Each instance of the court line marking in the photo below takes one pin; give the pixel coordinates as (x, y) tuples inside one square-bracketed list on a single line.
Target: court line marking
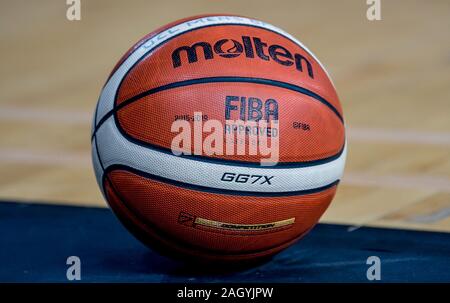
[(360, 134), (360, 262), (355, 134), (432, 217), (44, 115), (432, 183), (354, 227), (422, 182), (49, 158)]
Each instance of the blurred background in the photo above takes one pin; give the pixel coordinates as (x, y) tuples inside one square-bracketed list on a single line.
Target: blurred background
[(392, 76)]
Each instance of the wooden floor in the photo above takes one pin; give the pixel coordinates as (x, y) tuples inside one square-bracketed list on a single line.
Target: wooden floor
[(393, 77)]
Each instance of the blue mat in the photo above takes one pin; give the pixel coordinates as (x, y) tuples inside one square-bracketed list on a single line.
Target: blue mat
[(35, 241)]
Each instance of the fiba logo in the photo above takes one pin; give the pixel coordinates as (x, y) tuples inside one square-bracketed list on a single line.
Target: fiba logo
[(251, 47)]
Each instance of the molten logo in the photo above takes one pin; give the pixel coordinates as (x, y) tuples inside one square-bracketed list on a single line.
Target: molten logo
[(231, 52), (249, 46)]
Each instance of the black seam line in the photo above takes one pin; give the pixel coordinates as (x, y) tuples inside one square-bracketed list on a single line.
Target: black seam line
[(201, 158), (194, 29), (239, 163), (176, 242), (207, 26), (98, 154), (217, 190), (205, 158), (149, 51), (226, 79)]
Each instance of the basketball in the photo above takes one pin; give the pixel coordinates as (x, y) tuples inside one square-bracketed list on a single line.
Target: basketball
[(202, 144), (218, 138)]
